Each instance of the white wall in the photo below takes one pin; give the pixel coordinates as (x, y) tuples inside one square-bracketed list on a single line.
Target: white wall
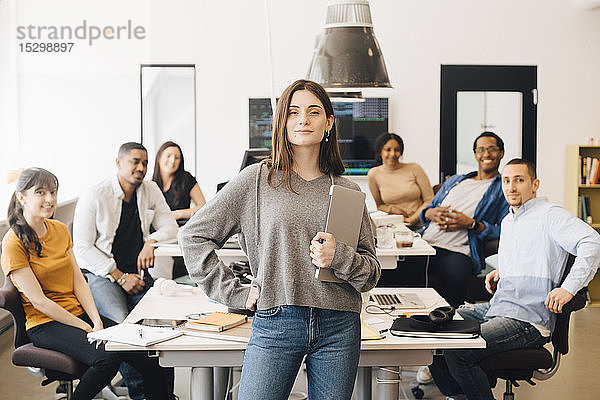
[(75, 109)]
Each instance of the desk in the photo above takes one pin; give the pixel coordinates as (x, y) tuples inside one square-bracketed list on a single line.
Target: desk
[(203, 353), (387, 257)]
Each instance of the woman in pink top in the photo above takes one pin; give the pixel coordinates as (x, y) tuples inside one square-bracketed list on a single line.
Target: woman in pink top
[(397, 187)]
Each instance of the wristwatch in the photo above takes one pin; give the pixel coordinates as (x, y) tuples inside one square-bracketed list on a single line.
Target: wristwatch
[(121, 280), (474, 224)]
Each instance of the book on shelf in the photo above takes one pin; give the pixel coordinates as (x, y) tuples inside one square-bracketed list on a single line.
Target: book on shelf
[(589, 171), (588, 211), (217, 321), (580, 171), (584, 210)]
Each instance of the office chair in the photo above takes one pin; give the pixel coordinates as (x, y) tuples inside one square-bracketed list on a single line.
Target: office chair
[(476, 283), (540, 364), (52, 365)]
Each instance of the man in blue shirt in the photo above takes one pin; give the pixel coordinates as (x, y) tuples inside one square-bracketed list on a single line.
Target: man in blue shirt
[(464, 213), (535, 240)]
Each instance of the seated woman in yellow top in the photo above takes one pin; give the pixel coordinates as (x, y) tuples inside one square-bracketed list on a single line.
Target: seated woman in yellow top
[(397, 187), (37, 255)]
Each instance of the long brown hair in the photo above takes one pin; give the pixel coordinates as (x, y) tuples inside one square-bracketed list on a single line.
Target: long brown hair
[(282, 157), (36, 178), (177, 185)]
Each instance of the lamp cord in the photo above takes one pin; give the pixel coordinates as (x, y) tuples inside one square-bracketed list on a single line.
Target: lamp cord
[(270, 53)]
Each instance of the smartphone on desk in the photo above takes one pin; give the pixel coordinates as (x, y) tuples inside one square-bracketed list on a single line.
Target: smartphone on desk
[(162, 322)]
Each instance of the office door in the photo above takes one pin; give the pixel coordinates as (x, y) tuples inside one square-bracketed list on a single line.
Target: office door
[(478, 98), (168, 109)]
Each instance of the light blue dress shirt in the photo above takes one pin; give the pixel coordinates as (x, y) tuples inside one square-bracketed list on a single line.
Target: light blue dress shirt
[(532, 256)]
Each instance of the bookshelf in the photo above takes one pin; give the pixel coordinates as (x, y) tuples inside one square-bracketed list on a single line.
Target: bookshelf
[(574, 189)]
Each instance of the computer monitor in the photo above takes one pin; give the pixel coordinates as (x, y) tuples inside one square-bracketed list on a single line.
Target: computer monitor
[(252, 156), (358, 125)]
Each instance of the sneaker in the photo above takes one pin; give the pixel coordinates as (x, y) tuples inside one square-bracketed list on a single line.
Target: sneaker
[(424, 376)]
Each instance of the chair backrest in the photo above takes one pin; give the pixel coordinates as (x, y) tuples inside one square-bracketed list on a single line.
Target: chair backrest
[(65, 210), (560, 335), (10, 300), (490, 247)]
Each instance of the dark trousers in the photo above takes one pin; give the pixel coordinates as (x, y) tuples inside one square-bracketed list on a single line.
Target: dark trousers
[(103, 365), (113, 302), (447, 273)]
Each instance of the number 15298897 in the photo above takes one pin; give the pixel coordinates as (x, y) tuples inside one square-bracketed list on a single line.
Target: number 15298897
[(42, 47)]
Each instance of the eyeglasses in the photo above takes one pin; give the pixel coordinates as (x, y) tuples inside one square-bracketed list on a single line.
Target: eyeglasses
[(491, 150)]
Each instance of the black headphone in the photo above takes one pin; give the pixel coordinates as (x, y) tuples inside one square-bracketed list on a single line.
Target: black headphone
[(434, 320)]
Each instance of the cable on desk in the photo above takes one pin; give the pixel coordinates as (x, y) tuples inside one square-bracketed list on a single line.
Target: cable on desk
[(379, 310)]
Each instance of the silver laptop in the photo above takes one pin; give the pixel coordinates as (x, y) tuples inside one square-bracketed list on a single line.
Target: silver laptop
[(344, 220), (396, 300)]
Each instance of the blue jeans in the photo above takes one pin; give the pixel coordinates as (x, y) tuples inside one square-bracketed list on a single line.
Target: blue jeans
[(115, 303), (111, 300), (501, 334), (284, 335)]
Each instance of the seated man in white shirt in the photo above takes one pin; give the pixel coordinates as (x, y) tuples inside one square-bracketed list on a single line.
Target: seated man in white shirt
[(535, 240), (111, 235)]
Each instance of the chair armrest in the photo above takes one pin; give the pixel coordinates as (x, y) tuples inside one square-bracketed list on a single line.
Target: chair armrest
[(577, 302)]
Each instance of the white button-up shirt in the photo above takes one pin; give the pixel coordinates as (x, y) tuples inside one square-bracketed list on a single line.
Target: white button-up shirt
[(532, 255), (97, 217)]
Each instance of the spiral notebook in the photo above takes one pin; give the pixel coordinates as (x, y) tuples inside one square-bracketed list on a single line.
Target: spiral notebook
[(134, 334)]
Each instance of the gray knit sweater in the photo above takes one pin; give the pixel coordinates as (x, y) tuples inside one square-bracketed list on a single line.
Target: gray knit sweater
[(275, 228)]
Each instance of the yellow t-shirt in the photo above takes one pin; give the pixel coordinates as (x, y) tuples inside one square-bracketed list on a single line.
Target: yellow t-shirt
[(54, 270)]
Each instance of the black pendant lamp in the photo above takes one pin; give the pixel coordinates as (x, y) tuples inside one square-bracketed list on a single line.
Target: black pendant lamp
[(347, 54)]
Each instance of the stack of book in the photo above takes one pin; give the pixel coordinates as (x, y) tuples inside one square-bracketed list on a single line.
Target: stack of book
[(222, 326), (217, 321), (589, 170), (583, 210)]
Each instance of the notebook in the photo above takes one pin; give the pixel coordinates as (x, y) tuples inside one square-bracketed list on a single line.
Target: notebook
[(240, 333), (344, 219), (135, 334), (217, 321), (397, 300)]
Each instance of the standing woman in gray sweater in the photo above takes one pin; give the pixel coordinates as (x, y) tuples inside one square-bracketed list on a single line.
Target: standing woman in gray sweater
[(278, 208)]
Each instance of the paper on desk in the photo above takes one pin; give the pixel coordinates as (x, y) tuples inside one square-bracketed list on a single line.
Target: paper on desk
[(381, 218), (169, 243), (374, 320), (137, 335), (368, 333)]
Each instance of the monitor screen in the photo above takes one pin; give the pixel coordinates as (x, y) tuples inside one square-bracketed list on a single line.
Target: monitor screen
[(358, 125), (252, 156)]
